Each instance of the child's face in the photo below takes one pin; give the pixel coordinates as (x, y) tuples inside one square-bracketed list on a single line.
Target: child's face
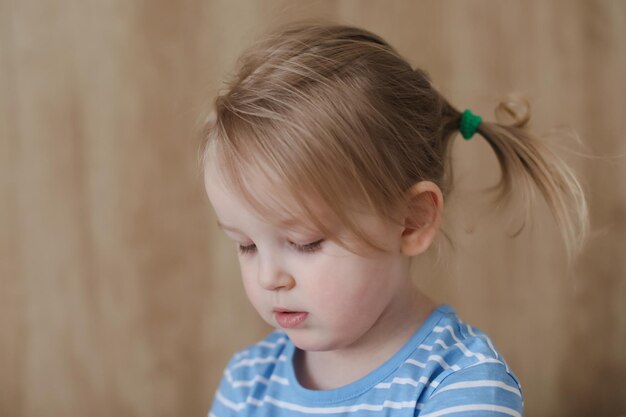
[(345, 295)]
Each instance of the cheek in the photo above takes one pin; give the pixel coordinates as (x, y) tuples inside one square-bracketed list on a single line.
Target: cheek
[(247, 286), (250, 287), (352, 288)]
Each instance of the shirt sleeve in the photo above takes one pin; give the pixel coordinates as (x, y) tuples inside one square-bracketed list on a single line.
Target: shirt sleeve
[(483, 390), (229, 399)]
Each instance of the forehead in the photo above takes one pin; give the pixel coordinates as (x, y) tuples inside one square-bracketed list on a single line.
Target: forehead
[(270, 203)]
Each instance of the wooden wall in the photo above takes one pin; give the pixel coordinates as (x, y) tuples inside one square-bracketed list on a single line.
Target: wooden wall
[(118, 296)]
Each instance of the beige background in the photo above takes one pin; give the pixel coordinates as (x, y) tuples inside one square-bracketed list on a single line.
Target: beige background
[(118, 296)]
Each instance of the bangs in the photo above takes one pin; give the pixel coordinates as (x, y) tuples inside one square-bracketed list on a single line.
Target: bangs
[(270, 195), (287, 202)]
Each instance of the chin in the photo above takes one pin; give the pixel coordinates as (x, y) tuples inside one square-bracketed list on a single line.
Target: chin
[(311, 342)]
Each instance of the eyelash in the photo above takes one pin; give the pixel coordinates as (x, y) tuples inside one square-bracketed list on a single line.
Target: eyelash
[(308, 248)]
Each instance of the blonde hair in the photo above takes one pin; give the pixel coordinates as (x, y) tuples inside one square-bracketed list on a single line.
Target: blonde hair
[(332, 116)]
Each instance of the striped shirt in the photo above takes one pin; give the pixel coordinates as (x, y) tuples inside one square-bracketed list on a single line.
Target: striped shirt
[(447, 368)]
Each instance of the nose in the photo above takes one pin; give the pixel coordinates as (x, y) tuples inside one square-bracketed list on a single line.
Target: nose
[(272, 276)]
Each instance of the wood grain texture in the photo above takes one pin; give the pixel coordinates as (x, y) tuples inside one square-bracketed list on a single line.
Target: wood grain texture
[(118, 296)]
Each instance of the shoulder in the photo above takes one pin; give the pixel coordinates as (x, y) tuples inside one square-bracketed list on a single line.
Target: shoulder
[(467, 373), (483, 387), (462, 346), (257, 361), (255, 365)]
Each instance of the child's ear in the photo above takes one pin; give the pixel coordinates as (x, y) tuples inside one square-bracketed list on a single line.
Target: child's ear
[(423, 216)]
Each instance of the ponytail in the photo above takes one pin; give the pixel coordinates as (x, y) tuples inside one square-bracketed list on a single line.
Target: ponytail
[(525, 159), (352, 123)]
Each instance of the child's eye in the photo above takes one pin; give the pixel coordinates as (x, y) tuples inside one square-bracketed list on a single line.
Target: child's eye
[(245, 249), (309, 247)]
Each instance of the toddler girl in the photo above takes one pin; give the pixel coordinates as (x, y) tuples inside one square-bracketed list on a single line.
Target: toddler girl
[(326, 162)]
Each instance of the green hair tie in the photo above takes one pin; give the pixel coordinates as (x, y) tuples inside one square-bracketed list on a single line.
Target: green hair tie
[(469, 124)]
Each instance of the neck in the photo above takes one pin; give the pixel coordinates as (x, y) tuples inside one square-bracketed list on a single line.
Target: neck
[(332, 369)]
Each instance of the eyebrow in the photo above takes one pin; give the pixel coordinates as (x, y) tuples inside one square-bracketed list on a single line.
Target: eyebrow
[(223, 226)]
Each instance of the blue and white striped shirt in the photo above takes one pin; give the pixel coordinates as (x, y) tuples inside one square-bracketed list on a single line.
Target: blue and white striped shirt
[(447, 368)]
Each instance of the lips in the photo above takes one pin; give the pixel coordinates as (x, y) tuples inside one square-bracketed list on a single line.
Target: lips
[(288, 318)]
